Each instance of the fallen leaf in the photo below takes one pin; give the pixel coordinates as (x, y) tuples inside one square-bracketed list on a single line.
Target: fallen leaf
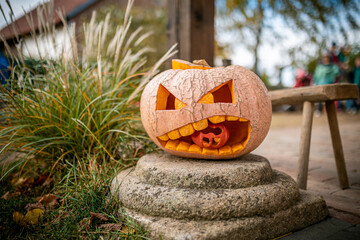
[(43, 180), (15, 180), (6, 196), (111, 226), (9, 195), (127, 230), (19, 218), (31, 206), (47, 182), (50, 201), (24, 182), (84, 224), (99, 216), (33, 216)]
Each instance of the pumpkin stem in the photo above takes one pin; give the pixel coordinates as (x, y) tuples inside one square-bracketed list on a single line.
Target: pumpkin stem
[(201, 62)]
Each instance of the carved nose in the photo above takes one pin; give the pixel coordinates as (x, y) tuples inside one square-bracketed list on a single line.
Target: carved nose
[(215, 136)]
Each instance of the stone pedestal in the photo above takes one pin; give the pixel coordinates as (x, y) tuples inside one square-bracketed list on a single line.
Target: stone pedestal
[(179, 198)]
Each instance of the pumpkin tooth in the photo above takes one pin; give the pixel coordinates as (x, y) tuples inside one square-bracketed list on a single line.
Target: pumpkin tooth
[(183, 147), (232, 118), (200, 125), (172, 144), (237, 147), (217, 119), (186, 130), (217, 140), (164, 137), (226, 150), (194, 149), (206, 144), (209, 151), (175, 134), (243, 120)]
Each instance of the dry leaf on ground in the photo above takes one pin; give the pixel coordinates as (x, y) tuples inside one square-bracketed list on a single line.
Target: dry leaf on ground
[(111, 226), (127, 230), (9, 195), (50, 201), (43, 180), (99, 216), (19, 218), (22, 182), (33, 216), (31, 206)]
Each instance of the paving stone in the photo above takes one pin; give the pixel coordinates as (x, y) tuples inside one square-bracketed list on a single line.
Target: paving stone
[(322, 230), (353, 194), (343, 204), (323, 180), (325, 187), (344, 216), (345, 234)]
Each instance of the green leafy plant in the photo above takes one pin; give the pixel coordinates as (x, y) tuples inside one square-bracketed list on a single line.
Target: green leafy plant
[(78, 107)]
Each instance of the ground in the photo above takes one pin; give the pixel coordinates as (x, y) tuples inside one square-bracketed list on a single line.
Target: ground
[(281, 147)]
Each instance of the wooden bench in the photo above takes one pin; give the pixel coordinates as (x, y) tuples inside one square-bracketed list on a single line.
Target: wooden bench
[(307, 96)]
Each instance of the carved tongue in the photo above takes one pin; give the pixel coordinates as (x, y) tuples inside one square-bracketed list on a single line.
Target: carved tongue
[(215, 136)]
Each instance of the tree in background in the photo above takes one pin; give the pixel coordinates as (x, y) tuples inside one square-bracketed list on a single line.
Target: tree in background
[(321, 21)]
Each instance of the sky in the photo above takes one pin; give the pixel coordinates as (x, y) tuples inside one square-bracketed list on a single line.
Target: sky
[(271, 55)]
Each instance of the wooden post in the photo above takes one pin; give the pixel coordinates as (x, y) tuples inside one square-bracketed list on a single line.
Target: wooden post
[(337, 145), (305, 138), (191, 25), (202, 30)]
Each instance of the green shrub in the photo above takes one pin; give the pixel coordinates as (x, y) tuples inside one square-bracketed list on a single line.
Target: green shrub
[(80, 107)]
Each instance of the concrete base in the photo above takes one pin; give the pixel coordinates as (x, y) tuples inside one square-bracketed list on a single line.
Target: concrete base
[(177, 198)]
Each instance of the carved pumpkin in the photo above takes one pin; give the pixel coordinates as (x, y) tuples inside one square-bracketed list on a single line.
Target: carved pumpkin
[(197, 111)]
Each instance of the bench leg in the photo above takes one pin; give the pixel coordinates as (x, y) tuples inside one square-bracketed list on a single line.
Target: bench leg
[(337, 146), (303, 164)]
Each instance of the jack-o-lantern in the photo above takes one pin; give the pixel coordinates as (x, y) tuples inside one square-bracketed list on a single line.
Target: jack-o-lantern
[(197, 111)]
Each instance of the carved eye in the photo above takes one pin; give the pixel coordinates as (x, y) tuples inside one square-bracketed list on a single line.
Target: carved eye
[(165, 100), (223, 93)]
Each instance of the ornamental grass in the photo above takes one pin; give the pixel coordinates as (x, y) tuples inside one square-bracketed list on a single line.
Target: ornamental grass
[(82, 105)]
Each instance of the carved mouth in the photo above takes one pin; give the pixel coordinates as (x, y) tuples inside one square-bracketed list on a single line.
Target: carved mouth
[(217, 135)]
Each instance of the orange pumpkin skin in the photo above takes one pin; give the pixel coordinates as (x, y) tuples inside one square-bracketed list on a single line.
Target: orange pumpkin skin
[(247, 112)]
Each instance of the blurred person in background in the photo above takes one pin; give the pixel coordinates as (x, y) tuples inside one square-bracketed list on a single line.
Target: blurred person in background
[(344, 72), (344, 64), (333, 53), (325, 73), (353, 105), (303, 78)]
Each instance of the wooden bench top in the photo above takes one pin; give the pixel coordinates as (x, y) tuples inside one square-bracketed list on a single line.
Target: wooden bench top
[(329, 92)]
